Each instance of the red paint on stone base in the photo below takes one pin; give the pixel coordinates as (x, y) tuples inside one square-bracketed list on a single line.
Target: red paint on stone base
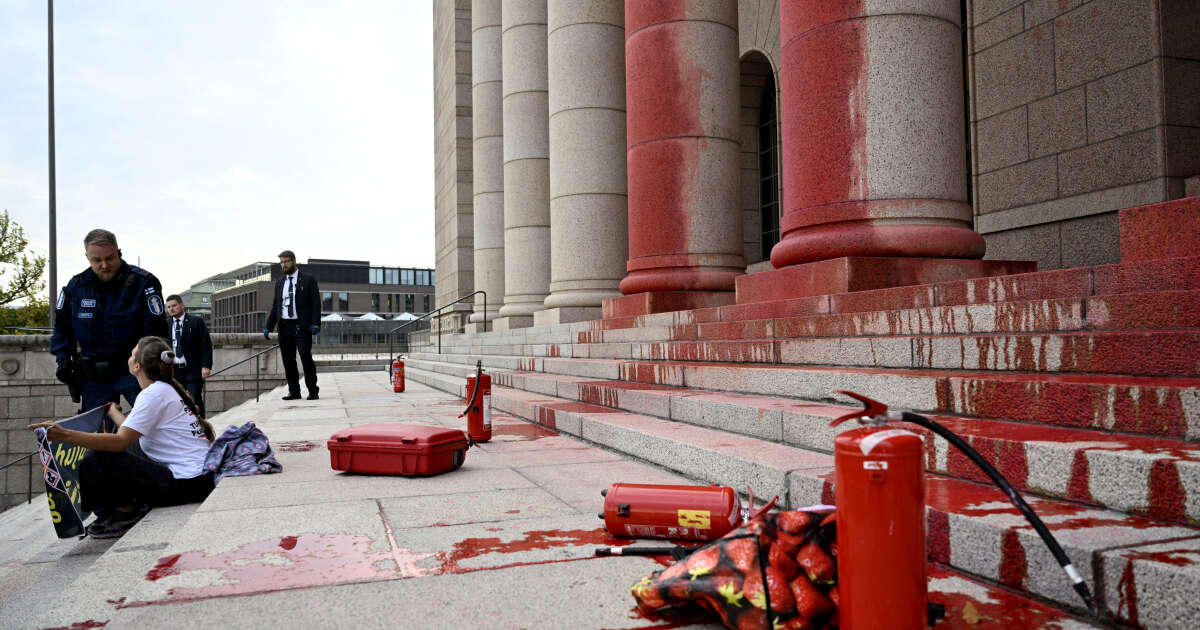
[(663, 302), (1161, 230), (852, 273)]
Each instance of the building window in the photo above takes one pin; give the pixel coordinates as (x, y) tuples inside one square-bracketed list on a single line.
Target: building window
[(768, 167), (374, 302), (408, 302), (391, 276), (343, 301), (406, 276), (326, 301), (423, 277), (375, 276), (426, 302)]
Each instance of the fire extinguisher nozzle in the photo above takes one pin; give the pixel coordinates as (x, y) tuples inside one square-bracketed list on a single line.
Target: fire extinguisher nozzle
[(604, 492), (601, 515)]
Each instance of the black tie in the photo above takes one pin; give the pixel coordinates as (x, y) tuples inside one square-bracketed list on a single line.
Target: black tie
[(178, 336), (291, 299)]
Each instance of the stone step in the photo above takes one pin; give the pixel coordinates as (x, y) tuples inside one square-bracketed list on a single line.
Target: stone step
[(1161, 310), (1162, 407), (972, 527), (1157, 477)]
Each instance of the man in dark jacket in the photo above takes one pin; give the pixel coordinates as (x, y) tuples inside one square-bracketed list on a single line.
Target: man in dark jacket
[(297, 310), (98, 319), (189, 337)]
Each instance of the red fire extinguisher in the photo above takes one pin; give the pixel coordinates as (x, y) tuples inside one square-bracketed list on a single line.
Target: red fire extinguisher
[(665, 511), (881, 529), (479, 405), (398, 375)]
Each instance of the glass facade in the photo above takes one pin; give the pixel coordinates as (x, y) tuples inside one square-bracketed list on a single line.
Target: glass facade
[(401, 275)]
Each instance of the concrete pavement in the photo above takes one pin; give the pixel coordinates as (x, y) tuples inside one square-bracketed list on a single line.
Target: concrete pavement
[(504, 542)]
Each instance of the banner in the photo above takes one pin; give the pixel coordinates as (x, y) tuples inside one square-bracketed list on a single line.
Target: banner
[(60, 469)]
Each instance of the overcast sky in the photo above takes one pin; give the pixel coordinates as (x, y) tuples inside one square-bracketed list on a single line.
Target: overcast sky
[(211, 134)]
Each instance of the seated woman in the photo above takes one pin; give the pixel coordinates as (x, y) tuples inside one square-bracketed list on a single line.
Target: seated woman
[(120, 487)]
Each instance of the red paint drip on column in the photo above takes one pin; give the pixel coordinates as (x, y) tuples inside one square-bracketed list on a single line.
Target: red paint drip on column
[(1167, 496), (938, 536), (1013, 567), (1127, 608), (1079, 487)]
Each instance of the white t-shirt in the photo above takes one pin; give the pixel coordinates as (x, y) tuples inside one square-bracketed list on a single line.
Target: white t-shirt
[(171, 435)]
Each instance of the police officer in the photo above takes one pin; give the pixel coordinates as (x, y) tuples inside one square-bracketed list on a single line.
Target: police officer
[(104, 311)]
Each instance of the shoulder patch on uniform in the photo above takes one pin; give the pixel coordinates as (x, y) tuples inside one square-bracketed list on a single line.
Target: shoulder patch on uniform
[(150, 291), (155, 304), (62, 297)]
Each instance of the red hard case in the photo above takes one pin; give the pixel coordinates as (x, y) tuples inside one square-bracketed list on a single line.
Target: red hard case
[(397, 449)]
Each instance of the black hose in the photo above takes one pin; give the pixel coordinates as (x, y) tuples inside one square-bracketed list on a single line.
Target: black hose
[(475, 390), (1080, 586)]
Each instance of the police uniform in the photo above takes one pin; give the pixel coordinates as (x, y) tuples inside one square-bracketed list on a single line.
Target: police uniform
[(107, 319)]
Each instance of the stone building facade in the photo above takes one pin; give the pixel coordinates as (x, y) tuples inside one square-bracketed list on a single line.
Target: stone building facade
[(592, 149)]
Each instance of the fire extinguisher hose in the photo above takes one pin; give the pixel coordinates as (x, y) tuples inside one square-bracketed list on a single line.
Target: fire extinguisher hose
[(475, 390), (1080, 586)]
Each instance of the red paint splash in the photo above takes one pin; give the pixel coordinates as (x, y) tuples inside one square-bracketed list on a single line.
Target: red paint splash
[(1127, 608), (527, 431), (1167, 495), (1013, 568), (82, 625), (671, 618), (1001, 610), (309, 560)]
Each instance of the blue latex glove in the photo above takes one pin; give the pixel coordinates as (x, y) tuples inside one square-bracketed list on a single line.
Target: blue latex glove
[(266, 334), (314, 329)]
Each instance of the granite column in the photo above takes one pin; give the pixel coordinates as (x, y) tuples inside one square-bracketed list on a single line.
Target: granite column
[(526, 162), (588, 228), (487, 140), (685, 218)]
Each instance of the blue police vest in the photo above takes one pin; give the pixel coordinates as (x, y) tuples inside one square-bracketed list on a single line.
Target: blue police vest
[(108, 318)]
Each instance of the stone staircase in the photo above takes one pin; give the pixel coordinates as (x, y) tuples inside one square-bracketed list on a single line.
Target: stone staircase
[(1082, 386)]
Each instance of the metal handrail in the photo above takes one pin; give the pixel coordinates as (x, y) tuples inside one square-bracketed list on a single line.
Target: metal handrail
[(438, 312), (29, 488), (257, 368)]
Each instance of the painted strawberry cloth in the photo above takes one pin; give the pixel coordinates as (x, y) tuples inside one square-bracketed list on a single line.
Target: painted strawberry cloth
[(780, 566)]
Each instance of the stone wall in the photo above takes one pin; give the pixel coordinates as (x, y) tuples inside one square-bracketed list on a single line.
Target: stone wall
[(1078, 109), (454, 229), (30, 393)]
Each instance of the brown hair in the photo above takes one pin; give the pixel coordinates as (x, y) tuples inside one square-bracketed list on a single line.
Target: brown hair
[(149, 352), (289, 254), (100, 237)]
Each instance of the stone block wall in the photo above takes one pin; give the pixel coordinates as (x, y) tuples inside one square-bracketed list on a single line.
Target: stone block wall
[(1078, 109), (453, 175), (29, 393)]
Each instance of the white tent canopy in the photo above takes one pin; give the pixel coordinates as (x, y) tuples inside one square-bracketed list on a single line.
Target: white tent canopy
[(332, 317), (371, 317), (405, 316)]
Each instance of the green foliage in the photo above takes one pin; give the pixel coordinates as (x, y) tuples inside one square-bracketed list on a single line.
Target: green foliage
[(20, 274), (32, 315)]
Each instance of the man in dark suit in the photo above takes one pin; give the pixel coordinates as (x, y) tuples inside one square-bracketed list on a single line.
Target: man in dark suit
[(189, 338), (297, 310)]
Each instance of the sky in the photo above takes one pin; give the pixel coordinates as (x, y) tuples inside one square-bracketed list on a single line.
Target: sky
[(211, 134)]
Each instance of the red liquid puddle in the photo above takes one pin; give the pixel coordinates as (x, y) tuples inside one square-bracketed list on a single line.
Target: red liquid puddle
[(525, 430), (295, 447), (1002, 610), (671, 618), (81, 625), (310, 560)]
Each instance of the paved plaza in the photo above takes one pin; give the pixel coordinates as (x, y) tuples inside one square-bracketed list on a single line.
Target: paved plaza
[(505, 542)]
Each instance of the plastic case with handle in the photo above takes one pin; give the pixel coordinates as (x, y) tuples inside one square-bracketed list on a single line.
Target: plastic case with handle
[(397, 449)]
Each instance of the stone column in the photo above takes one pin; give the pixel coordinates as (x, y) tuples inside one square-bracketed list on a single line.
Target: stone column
[(685, 213), (526, 163), (487, 141), (872, 128), (588, 228)]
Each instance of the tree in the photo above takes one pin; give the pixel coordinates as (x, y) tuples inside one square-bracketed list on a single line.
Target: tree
[(21, 293)]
